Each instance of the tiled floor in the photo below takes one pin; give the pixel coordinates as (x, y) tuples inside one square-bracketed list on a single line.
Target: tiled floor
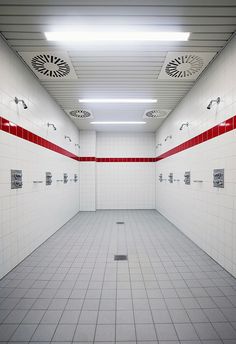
[(71, 289)]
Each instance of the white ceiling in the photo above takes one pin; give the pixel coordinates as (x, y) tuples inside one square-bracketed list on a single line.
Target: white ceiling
[(118, 70)]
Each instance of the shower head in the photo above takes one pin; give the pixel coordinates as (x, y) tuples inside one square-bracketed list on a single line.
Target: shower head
[(67, 138), (168, 137), (21, 101), (217, 101), (183, 125), (52, 125)]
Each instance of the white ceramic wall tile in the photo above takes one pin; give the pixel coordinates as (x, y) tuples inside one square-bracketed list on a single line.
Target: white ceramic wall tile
[(115, 145), (88, 171), (205, 214), (125, 185), (87, 186), (30, 215), (88, 143)]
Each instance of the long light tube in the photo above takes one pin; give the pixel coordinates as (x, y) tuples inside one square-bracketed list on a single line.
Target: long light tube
[(117, 122), (96, 36), (116, 100)]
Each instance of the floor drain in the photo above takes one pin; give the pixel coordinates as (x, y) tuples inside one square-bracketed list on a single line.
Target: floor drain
[(120, 257), (120, 223)]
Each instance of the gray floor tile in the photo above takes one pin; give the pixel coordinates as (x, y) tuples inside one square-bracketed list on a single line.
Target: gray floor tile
[(166, 332), (74, 304), (91, 304), (206, 331), (156, 304), (229, 313), (161, 316), (23, 333), (33, 317), (6, 331), (140, 304), (25, 304), (179, 316), (107, 304), (70, 317), (124, 304), (84, 333), (124, 317), (222, 302), (186, 332), (58, 304), (9, 303), (88, 317), (190, 303), (145, 332), (41, 304), (143, 317), (105, 333), (106, 317), (64, 332), (215, 315), (197, 315), (71, 285), (125, 333), (225, 330), (51, 317), (15, 316), (44, 333)]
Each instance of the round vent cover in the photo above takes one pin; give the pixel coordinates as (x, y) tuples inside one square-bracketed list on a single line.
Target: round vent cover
[(50, 65), (156, 113), (81, 114), (184, 66)]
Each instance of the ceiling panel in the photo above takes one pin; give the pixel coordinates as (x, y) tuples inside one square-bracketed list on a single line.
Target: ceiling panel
[(118, 70)]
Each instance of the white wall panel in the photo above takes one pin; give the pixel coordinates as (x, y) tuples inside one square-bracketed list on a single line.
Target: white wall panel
[(88, 171), (28, 216), (125, 185), (206, 214)]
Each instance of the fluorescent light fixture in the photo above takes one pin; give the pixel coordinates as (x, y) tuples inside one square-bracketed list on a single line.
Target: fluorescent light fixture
[(117, 122), (116, 100), (96, 36)]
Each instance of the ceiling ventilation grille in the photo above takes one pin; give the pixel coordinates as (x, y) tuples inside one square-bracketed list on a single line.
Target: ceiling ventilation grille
[(184, 66), (156, 113), (50, 65), (81, 114)]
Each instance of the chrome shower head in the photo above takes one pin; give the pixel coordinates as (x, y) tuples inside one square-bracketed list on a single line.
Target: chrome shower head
[(217, 101), (183, 125)]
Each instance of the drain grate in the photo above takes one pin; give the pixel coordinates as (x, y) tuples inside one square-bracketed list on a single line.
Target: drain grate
[(120, 223), (120, 257)]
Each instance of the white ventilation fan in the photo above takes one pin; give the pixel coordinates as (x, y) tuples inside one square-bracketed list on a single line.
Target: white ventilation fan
[(50, 65), (156, 113), (181, 66), (80, 114)]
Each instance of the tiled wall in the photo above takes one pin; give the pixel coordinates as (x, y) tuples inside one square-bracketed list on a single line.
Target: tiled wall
[(28, 216), (88, 170), (204, 213), (125, 185)]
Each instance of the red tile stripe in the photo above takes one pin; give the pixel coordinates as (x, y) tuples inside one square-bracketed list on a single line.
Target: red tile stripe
[(219, 129), (16, 130), (87, 158), (125, 159)]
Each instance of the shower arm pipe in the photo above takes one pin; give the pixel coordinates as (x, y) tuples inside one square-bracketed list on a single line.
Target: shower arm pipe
[(168, 137), (186, 124)]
